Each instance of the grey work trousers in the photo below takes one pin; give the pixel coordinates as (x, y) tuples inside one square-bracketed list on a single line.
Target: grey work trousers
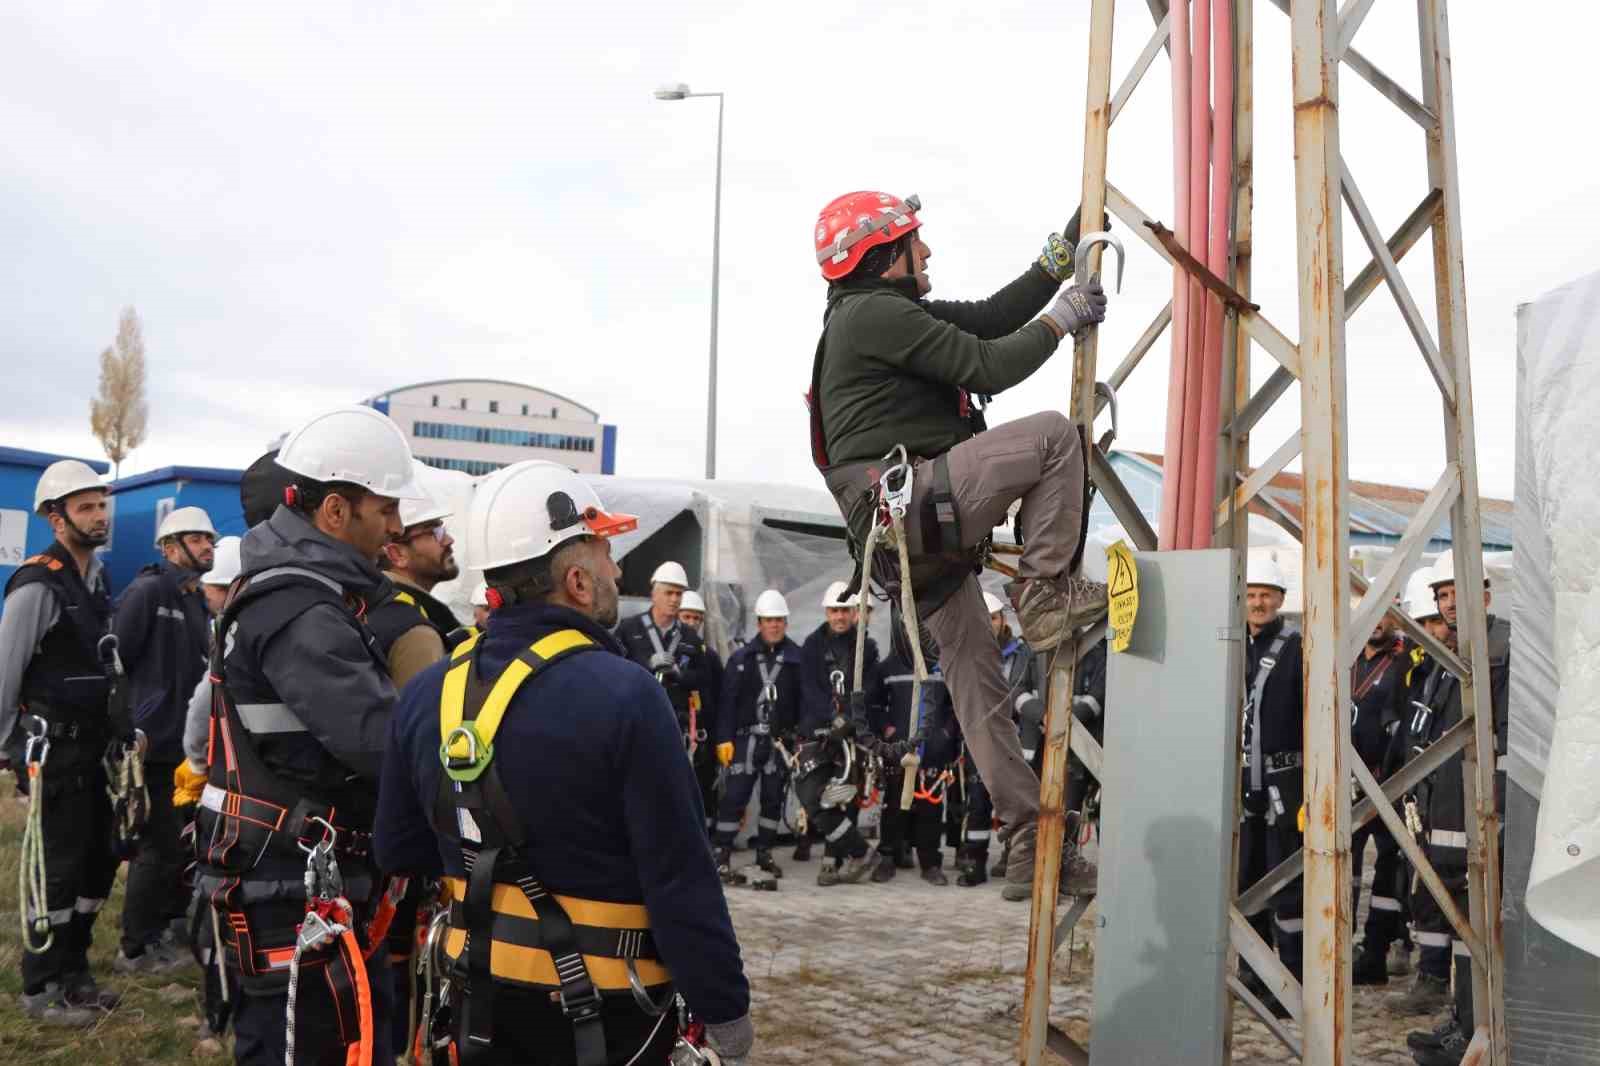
[(1038, 460)]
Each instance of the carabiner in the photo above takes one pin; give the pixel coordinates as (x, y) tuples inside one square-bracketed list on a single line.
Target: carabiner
[(38, 740)]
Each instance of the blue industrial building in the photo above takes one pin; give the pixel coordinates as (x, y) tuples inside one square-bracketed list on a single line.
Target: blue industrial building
[(143, 500), (23, 533)]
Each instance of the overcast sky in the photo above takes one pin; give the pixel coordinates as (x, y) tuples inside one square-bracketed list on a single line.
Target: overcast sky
[(308, 204)]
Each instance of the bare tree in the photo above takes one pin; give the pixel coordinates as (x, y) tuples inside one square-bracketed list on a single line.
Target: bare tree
[(118, 416)]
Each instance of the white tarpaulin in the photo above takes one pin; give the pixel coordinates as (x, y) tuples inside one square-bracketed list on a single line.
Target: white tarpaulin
[(1554, 739)]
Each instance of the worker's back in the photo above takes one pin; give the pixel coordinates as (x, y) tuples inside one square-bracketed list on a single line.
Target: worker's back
[(591, 761)]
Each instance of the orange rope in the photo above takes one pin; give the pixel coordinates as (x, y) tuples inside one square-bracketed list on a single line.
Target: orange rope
[(359, 1053)]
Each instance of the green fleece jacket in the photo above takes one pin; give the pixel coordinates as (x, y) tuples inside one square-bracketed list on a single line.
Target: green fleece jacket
[(893, 370)]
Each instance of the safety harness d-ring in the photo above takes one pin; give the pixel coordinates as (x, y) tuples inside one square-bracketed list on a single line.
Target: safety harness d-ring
[(471, 766)]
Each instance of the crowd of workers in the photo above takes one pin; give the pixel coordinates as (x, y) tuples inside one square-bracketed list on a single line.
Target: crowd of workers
[(382, 831)]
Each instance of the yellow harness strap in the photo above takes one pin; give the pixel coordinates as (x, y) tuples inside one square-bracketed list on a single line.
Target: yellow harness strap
[(452, 701)]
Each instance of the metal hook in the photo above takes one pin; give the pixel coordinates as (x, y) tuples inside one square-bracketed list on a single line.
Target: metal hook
[(1086, 243)]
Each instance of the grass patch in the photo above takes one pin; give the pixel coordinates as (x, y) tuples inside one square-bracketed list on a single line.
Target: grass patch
[(156, 1021)]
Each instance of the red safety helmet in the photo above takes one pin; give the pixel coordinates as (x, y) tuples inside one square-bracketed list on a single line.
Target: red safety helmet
[(857, 221)]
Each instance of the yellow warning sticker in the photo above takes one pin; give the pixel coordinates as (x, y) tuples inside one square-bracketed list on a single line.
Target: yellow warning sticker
[(1122, 587)]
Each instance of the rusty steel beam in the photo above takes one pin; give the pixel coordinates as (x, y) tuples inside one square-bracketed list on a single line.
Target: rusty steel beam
[(1141, 348), (1351, 16), (1383, 588), (1251, 486), (1265, 962), (1264, 1015), (1035, 1034), (1326, 1022), (1442, 375), (1158, 40), (1449, 271), (1409, 105), (1120, 500), (1404, 239), (1255, 407)]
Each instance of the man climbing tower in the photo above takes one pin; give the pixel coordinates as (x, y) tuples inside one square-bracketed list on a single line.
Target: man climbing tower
[(895, 369)]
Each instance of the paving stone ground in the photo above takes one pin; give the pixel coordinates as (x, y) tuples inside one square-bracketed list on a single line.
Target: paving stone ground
[(909, 973)]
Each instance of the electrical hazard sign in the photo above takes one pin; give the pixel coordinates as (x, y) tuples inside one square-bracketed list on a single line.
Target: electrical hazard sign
[(1122, 588)]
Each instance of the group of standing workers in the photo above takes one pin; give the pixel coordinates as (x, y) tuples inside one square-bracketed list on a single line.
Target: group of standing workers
[(1402, 700)]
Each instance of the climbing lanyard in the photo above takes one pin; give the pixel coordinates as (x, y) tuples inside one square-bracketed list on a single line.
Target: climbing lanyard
[(329, 921), (32, 900)]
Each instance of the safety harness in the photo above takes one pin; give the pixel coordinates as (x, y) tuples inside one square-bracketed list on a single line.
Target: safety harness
[(249, 815), (1258, 765), (33, 901), (503, 924), (124, 758)]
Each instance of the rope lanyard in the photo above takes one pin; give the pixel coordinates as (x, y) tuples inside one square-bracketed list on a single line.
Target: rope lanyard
[(33, 905)]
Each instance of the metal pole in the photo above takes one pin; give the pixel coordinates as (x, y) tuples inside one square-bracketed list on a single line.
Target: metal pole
[(1478, 769), (716, 276), (1326, 1015)]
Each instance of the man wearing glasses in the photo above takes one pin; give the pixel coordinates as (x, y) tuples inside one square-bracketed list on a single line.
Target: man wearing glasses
[(162, 632), (412, 628)]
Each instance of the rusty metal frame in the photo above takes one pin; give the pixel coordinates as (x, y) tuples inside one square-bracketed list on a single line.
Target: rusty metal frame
[(1321, 34)]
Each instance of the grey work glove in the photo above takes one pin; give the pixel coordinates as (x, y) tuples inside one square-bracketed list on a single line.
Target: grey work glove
[(1077, 307), (732, 1041)]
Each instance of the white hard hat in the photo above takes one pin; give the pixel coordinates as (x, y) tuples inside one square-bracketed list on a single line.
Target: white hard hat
[(353, 444), (1419, 597), (839, 595), (526, 510), (692, 602), (64, 478), (185, 520), (670, 574), (225, 563), (422, 509), (993, 603), (1264, 570), (1444, 571), (480, 595), (771, 604)]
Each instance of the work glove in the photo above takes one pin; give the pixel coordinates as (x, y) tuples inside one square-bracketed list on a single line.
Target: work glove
[(725, 753), (732, 1041), (1056, 259), (1071, 232), (662, 661), (187, 784), (1078, 307)]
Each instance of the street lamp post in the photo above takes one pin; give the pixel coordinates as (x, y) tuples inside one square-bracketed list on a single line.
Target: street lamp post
[(680, 91)]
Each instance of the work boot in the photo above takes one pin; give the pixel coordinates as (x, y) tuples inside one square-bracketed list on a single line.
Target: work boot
[(84, 991), (802, 850), (51, 1007), (1432, 1039), (1019, 862), (884, 871), (154, 959), (855, 868), (1079, 876), (828, 873), (1369, 967), (973, 869), (765, 860), (903, 859), (1399, 959), (1427, 995), (1052, 608), (1451, 1050), (934, 875), (725, 865)]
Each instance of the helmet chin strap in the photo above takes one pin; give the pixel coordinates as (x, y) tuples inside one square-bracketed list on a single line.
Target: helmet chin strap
[(87, 538)]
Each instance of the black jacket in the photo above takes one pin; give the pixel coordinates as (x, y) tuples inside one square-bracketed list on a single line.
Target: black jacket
[(941, 736), (610, 805), (689, 653), (893, 370), (1282, 711), (405, 607), (318, 674), (824, 652), (1446, 806), (740, 706), (163, 636), (1381, 700)]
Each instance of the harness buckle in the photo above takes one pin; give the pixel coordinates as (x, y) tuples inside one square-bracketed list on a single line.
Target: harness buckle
[(897, 500), (471, 766)]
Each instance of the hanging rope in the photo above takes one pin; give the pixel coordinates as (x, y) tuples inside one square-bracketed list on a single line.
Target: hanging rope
[(33, 905)]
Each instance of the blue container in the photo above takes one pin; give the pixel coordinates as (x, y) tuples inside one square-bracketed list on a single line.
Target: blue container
[(143, 500), (23, 533)]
